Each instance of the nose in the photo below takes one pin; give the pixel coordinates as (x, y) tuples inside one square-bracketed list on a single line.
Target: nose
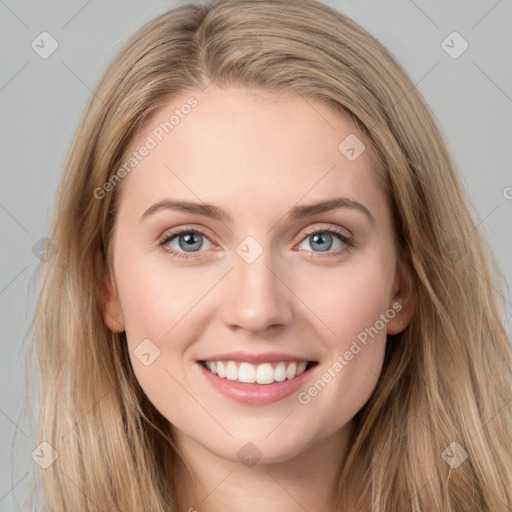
[(258, 296)]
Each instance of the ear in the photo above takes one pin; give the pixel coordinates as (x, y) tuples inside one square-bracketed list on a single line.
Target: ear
[(404, 297), (112, 312)]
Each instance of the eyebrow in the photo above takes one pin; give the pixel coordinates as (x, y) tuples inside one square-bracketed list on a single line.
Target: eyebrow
[(297, 212)]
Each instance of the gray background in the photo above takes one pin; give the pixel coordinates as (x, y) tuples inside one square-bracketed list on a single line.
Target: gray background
[(41, 101)]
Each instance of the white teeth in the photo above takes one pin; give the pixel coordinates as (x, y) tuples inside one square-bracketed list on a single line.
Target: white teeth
[(231, 371), (280, 372), (291, 371), (265, 373), (221, 372), (301, 367), (247, 373)]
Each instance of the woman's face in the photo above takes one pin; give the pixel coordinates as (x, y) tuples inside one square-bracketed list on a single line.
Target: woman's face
[(258, 276)]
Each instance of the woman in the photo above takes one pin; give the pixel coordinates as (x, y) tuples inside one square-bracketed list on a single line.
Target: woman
[(198, 353)]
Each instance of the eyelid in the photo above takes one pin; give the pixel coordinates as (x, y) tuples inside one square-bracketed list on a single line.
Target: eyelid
[(312, 229), (327, 227), (345, 236), (169, 233)]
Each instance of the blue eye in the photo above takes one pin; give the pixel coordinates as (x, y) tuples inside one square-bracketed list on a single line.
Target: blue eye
[(188, 242), (323, 240)]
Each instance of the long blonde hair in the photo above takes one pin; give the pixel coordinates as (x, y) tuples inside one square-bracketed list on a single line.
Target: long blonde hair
[(445, 387)]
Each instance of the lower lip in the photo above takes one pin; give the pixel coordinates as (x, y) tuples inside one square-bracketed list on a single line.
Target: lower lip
[(256, 394)]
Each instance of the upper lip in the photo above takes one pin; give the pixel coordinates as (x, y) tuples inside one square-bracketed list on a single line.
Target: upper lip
[(264, 357)]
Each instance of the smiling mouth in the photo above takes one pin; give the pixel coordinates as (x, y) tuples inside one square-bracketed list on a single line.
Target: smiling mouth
[(264, 373)]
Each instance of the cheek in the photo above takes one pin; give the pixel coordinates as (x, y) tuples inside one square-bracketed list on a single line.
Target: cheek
[(164, 310), (350, 298), (156, 297), (352, 302), (158, 306)]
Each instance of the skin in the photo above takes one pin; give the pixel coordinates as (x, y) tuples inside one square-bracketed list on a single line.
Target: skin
[(256, 155)]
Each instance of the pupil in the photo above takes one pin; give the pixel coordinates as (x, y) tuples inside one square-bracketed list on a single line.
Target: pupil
[(320, 237), (190, 243)]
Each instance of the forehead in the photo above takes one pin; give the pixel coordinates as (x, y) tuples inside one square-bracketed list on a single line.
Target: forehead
[(228, 144)]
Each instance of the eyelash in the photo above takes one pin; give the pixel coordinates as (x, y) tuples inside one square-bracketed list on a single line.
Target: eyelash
[(347, 241)]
